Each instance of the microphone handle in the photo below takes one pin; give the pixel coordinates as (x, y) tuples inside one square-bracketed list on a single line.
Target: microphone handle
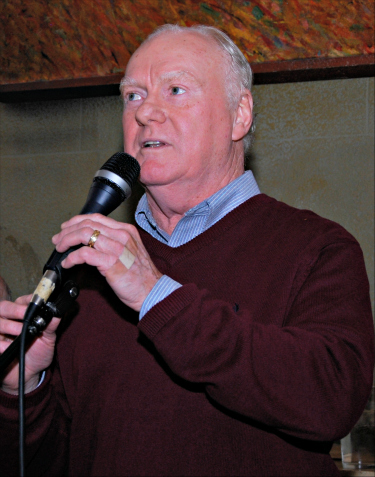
[(102, 199), (54, 261)]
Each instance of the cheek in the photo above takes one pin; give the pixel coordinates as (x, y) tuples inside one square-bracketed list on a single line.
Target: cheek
[(129, 131), (213, 128)]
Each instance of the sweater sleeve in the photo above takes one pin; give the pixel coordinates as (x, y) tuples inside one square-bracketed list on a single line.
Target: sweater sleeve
[(308, 376), (46, 432)]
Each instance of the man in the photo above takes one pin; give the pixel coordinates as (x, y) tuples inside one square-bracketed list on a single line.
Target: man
[(5, 293), (236, 336)]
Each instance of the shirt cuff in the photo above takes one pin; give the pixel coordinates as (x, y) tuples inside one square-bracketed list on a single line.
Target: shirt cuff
[(163, 287), (41, 379)]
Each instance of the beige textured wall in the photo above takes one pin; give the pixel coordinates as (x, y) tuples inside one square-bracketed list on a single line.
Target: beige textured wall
[(314, 148)]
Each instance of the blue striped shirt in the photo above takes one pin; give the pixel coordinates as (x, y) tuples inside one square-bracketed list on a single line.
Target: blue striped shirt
[(195, 221)]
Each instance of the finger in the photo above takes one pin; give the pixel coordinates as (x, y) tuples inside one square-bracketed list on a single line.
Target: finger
[(81, 233), (10, 327), (108, 227), (85, 234), (92, 257), (6, 338), (4, 345), (13, 310), (52, 327), (115, 245), (105, 241), (23, 300), (97, 219), (85, 228), (104, 255), (72, 236)]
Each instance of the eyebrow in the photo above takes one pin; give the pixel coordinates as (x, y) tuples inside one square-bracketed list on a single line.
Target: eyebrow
[(175, 75), (127, 81), (164, 78)]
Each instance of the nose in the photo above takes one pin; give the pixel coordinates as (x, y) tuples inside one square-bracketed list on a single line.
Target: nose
[(148, 112)]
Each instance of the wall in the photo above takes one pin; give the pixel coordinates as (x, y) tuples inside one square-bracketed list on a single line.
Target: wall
[(314, 148)]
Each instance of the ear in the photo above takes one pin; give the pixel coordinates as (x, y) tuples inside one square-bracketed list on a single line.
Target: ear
[(243, 117)]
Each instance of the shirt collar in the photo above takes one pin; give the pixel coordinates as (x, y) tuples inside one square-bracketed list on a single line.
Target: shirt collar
[(206, 213)]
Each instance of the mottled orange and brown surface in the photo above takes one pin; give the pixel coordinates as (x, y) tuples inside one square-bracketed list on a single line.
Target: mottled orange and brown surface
[(63, 39)]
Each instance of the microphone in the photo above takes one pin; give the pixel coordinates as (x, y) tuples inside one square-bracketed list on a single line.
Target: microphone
[(112, 184)]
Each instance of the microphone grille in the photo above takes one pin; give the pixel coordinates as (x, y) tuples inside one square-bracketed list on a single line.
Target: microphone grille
[(125, 166)]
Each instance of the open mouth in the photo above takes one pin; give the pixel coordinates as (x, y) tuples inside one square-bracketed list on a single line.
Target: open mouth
[(153, 144)]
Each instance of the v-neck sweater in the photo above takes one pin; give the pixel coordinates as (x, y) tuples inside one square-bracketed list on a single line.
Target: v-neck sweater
[(253, 367)]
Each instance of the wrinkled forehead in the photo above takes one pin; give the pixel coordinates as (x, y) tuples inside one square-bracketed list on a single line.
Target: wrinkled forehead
[(184, 47)]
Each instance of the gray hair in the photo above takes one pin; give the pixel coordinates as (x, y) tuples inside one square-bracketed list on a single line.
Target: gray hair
[(239, 77)]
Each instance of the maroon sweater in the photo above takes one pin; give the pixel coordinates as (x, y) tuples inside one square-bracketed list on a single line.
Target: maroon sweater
[(253, 367)]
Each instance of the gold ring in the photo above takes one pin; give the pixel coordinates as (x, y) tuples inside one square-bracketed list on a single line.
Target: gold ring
[(93, 238)]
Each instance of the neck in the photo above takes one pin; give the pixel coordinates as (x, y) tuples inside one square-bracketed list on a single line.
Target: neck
[(169, 203)]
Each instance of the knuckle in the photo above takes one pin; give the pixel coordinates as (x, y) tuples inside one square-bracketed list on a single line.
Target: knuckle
[(87, 223), (131, 228), (130, 231), (96, 216), (84, 252), (87, 230)]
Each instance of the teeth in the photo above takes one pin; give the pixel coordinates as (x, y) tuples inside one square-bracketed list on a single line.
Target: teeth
[(153, 144)]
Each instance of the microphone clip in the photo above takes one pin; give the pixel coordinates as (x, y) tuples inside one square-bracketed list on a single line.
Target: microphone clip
[(37, 324), (64, 301)]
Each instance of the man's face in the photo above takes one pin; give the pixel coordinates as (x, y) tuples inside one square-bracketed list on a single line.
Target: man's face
[(177, 122)]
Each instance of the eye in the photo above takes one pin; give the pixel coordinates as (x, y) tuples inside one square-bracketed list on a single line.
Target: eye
[(177, 90), (133, 96)]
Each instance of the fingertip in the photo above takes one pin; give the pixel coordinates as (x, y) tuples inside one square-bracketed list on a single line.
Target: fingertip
[(22, 300), (69, 262)]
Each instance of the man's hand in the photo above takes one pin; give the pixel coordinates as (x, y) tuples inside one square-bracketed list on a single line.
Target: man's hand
[(118, 253), (39, 355)]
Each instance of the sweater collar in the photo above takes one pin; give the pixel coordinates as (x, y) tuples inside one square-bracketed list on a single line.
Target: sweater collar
[(201, 217)]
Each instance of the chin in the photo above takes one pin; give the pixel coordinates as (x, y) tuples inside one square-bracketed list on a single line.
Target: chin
[(154, 177)]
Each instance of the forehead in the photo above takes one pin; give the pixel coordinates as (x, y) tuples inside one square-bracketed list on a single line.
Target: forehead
[(187, 52)]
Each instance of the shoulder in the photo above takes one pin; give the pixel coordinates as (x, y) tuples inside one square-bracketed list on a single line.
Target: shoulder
[(295, 238), (281, 219)]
